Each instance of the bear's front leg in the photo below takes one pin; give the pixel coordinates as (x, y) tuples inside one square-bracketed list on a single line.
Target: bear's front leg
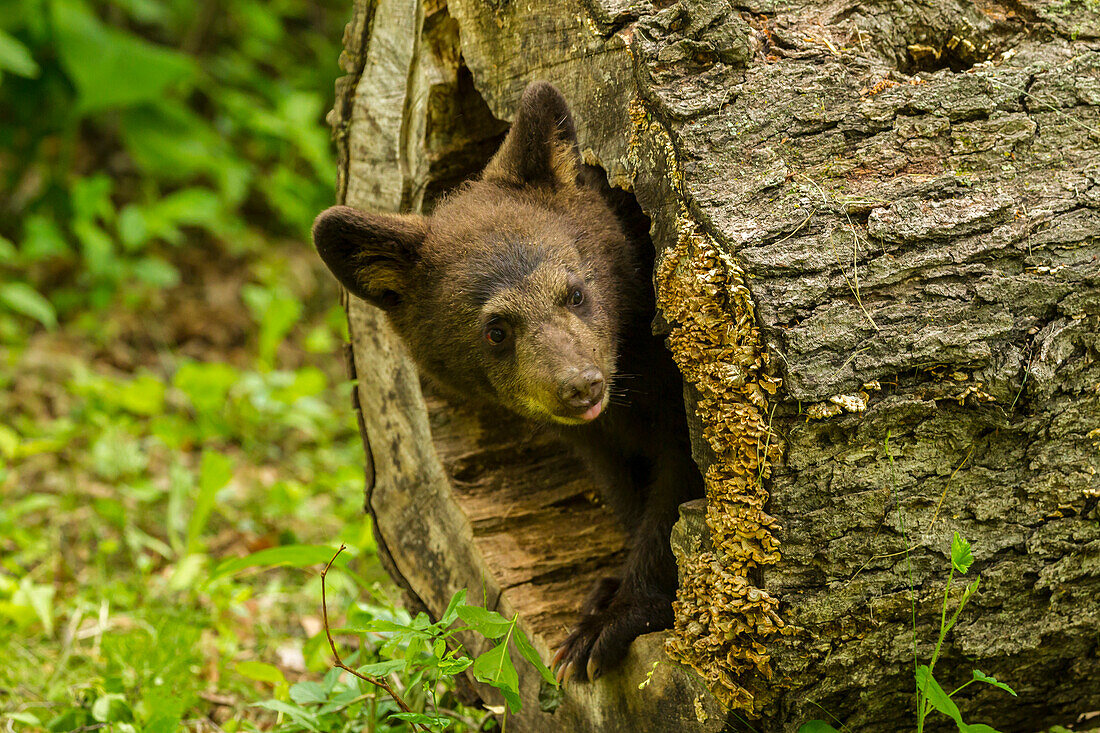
[(641, 602)]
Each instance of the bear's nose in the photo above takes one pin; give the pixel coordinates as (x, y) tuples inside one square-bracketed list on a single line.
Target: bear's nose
[(582, 388)]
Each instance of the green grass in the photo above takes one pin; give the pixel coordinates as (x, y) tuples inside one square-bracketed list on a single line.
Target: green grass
[(163, 527), (124, 489), (178, 457)]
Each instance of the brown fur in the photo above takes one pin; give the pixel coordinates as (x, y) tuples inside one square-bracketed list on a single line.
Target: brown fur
[(507, 255)]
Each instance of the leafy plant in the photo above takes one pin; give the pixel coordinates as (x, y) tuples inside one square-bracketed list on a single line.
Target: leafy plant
[(153, 153), (424, 652), (131, 126), (931, 697)]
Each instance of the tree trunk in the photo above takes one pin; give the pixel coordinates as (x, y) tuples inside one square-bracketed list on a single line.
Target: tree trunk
[(878, 237)]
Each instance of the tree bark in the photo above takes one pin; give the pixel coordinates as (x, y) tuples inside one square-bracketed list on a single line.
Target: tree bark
[(878, 237)]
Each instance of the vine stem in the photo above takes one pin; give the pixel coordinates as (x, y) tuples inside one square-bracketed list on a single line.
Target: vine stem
[(339, 663)]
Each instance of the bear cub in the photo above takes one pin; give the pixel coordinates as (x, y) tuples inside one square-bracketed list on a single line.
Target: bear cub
[(524, 290)]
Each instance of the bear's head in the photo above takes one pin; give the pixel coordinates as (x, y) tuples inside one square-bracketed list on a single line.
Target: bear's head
[(511, 292)]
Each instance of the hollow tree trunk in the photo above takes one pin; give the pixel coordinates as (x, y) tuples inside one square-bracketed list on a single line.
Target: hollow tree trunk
[(878, 236)]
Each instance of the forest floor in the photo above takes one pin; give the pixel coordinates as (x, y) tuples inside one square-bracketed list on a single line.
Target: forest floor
[(141, 448), (178, 453)]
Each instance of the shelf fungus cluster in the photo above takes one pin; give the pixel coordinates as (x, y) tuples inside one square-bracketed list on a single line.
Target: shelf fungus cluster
[(722, 620)]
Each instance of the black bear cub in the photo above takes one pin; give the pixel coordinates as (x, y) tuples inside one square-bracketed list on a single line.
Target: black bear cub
[(522, 290)]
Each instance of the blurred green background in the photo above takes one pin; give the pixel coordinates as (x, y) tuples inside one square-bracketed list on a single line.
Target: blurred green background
[(177, 452)]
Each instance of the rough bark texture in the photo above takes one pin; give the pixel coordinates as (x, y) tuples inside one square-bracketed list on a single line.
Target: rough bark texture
[(878, 228)]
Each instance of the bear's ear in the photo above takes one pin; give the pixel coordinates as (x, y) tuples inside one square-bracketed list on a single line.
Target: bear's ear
[(372, 255), (541, 147)]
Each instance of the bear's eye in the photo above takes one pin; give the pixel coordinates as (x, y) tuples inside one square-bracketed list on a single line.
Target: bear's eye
[(497, 332), (576, 297)]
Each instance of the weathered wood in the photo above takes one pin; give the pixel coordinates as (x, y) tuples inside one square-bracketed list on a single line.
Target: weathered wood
[(895, 208), (460, 499)]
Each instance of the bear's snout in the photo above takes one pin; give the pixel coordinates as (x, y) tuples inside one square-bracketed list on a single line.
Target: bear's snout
[(580, 389)]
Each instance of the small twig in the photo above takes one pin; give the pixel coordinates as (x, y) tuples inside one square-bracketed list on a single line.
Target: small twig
[(855, 269), (796, 229), (338, 662), (69, 638), (474, 725), (763, 460), (872, 558), (1093, 132), (838, 720), (1027, 371), (851, 358), (946, 484), (855, 251)]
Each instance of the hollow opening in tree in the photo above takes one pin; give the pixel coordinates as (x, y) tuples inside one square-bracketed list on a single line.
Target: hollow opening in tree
[(532, 508), (937, 49)]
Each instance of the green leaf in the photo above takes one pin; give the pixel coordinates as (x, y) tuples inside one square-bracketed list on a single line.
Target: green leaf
[(383, 668), (42, 239), (154, 271), (977, 728), (163, 722), (261, 672), (98, 250), (295, 556), (285, 193), (816, 726), (116, 454), (449, 616), (980, 676), (970, 591), (425, 719), (941, 701), (489, 624), (112, 69), (300, 716), (90, 198), (451, 665), (511, 697), (200, 207), (961, 559), (276, 315), (133, 230), (378, 626), (26, 301), (528, 652), (111, 708), (206, 384), (26, 718), (215, 472), (9, 442), (495, 668), (173, 143), (306, 692), (144, 11), (141, 396), (187, 572), (16, 58), (9, 254), (37, 597)]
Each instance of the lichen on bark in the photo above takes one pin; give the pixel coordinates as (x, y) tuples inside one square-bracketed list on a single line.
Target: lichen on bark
[(722, 620)]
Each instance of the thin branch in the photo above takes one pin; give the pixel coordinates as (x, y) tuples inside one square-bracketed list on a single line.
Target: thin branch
[(339, 663), (946, 484)]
